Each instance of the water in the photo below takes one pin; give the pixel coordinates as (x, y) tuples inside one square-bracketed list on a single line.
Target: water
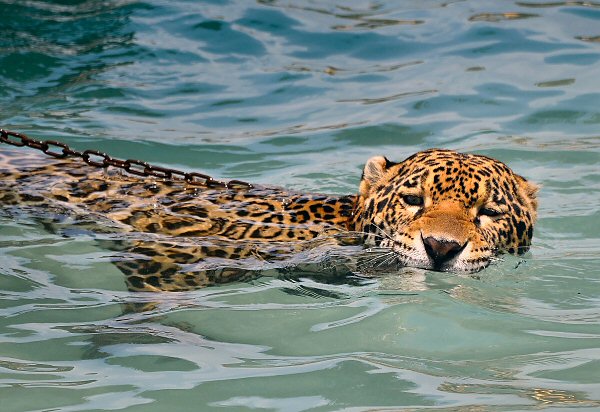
[(300, 94)]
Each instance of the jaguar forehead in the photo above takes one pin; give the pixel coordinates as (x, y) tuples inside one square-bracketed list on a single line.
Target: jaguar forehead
[(409, 178)]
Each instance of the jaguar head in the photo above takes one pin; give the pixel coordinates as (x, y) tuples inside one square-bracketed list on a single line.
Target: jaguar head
[(444, 210)]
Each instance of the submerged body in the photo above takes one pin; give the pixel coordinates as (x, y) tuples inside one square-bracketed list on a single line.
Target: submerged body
[(438, 209)]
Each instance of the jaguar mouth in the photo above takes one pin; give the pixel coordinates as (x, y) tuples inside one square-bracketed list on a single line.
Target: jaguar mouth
[(401, 255), (455, 265)]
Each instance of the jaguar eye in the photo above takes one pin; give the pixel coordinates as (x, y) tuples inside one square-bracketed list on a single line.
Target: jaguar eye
[(413, 200), (486, 211)]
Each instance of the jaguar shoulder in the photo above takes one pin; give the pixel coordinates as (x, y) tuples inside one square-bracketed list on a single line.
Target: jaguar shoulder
[(438, 209)]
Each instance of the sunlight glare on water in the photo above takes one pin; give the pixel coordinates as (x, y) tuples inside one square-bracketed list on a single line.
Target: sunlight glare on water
[(300, 94)]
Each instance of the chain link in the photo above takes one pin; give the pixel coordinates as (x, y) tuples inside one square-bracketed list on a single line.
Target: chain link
[(135, 167)]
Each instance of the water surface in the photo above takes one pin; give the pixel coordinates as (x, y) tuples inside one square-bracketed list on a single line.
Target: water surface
[(299, 94)]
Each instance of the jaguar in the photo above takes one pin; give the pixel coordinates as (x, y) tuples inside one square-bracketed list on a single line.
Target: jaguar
[(438, 210)]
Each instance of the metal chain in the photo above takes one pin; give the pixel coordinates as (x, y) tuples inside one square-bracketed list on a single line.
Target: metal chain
[(131, 166)]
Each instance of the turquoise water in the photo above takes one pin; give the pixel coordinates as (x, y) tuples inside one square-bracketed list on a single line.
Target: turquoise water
[(300, 94)]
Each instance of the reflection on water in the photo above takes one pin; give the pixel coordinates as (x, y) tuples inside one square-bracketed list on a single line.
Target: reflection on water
[(496, 17), (300, 94)]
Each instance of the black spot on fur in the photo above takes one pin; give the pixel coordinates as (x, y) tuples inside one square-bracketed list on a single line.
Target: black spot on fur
[(521, 228), (382, 204), (302, 216), (176, 224), (136, 281)]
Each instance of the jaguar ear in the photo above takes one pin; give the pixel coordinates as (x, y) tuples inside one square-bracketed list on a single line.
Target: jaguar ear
[(374, 171), (528, 191)]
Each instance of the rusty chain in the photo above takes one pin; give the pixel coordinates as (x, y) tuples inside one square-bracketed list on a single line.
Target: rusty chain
[(135, 167)]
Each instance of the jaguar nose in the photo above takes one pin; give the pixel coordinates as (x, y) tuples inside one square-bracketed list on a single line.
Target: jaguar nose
[(440, 250)]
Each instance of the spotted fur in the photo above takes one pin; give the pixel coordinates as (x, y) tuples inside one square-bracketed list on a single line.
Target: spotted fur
[(438, 209)]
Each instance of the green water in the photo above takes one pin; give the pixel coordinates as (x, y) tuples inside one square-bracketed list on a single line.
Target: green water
[(300, 94)]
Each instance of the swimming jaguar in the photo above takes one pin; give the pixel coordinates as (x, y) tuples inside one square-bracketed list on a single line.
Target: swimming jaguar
[(438, 210)]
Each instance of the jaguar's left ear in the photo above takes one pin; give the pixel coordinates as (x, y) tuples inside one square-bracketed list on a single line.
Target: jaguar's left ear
[(374, 171)]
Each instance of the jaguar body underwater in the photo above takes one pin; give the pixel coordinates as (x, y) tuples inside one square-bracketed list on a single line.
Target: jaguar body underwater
[(438, 209)]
